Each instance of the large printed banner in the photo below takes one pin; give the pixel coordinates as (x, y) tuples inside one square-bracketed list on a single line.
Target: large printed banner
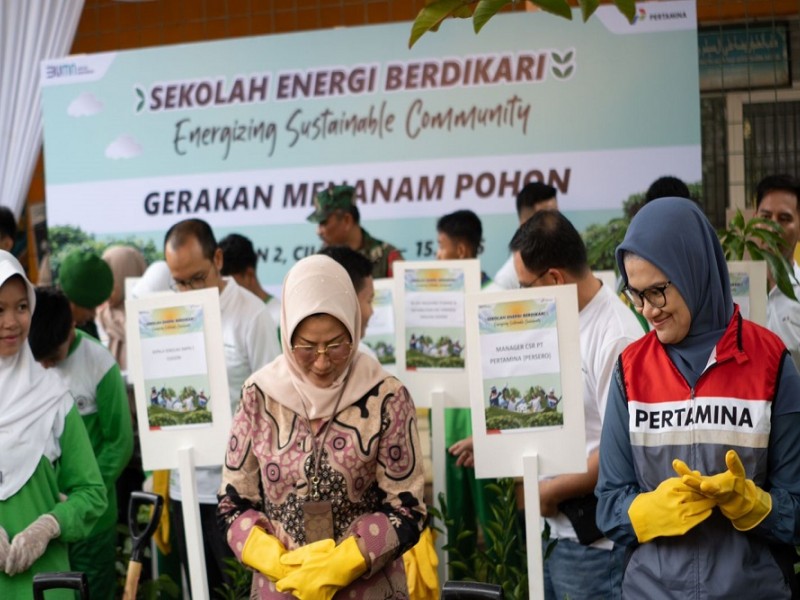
[(243, 132)]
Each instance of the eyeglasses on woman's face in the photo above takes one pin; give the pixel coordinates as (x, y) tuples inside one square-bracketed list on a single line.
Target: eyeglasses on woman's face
[(336, 352), (655, 295)]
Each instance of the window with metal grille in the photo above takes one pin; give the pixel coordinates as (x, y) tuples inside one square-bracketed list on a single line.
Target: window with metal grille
[(715, 158), (771, 141)]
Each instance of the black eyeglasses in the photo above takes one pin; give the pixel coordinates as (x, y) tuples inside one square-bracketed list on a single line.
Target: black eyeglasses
[(530, 283), (654, 295), (337, 352), (195, 282)]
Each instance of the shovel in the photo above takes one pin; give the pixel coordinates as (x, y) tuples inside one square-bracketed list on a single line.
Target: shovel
[(140, 537), (69, 580)]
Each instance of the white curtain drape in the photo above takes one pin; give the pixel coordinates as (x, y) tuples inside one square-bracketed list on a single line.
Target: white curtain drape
[(30, 31)]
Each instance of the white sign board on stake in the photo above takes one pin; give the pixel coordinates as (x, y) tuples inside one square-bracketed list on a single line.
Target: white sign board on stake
[(176, 365), (533, 526), (749, 288), (380, 333), (430, 339), (526, 394), (525, 380)]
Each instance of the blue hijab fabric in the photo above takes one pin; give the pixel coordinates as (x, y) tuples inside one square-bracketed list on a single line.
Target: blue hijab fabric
[(674, 235)]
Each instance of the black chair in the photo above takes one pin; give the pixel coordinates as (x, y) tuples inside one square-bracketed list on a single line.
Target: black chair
[(470, 590), (69, 580)]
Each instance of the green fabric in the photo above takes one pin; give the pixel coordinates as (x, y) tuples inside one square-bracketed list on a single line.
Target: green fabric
[(110, 431), (96, 556), (76, 475), (330, 200), (468, 500), (85, 278), (381, 254)]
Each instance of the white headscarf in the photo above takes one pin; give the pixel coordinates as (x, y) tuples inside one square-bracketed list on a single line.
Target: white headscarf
[(33, 404), (318, 285)]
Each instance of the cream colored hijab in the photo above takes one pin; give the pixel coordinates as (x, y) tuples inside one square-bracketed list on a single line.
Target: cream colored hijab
[(34, 402), (318, 284)]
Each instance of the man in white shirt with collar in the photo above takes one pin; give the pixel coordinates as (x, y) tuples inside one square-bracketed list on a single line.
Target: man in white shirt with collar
[(250, 338), (776, 200)]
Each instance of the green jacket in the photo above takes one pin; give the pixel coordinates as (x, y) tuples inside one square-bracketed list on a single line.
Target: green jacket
[(75, 475)]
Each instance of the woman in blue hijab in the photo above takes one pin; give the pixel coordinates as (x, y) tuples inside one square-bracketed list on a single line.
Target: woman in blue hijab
[(700, 449)]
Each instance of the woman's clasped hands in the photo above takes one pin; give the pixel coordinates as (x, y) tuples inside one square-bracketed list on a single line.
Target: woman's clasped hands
[(737, 497), (316, 570)]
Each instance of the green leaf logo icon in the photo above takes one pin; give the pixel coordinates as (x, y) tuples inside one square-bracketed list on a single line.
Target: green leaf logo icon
[(564, 64)]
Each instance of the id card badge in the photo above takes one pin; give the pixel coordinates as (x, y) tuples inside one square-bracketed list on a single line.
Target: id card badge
[(318, 520)]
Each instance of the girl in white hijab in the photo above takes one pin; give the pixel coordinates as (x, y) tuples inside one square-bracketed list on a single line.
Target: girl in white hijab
[(322, 488), (45, 453)]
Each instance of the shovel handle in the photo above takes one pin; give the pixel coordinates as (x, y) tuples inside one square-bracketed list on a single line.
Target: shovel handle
[(132, 580), (140, 537), (71, 580)]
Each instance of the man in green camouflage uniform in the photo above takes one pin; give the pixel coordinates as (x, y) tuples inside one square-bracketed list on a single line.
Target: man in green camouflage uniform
[(338, 224)]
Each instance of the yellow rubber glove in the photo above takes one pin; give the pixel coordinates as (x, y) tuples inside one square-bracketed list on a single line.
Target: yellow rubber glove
[(298, 556), (739, 498), (263, 553), (673, 508), (322, 574), (421, 562)]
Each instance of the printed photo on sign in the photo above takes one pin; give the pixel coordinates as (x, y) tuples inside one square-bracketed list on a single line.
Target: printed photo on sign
[(174, 367), (380, 333), (740, 290), (178, 401), (523, 403), (519, 365), (434, 319), (748, 279)]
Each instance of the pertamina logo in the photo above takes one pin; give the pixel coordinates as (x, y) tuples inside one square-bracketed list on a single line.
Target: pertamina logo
[(658, 14)]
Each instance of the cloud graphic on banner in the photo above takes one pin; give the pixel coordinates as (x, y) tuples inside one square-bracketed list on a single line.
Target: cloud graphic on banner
[(123, 147), (85, 105)]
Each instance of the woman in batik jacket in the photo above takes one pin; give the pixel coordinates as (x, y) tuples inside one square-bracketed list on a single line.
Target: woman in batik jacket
[(322, 488)]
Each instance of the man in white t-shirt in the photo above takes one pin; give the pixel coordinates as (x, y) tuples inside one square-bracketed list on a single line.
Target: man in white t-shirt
[(240, 261), (548, 250), (776, 199), (250, 341), (533, 197)]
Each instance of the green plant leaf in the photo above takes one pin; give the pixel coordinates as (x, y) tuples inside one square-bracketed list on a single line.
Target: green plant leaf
[(588, 7), (780, 269), (432, 15), (556, 7), (485, 10), (494, 488), (737, 222), (627, 8)]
